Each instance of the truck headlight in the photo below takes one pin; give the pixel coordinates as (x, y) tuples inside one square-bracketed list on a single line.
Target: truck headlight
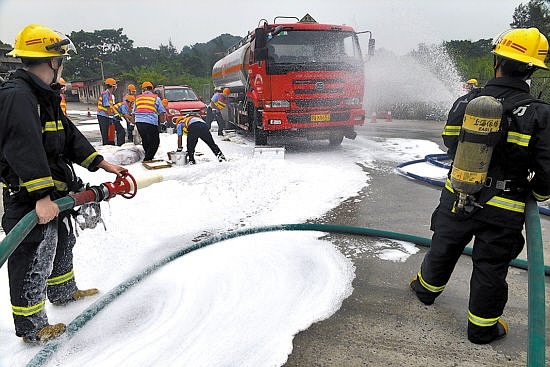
[(352, 101), (173, 111), (277, 104)]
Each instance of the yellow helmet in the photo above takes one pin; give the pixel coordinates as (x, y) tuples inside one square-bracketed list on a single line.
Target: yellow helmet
[(36, 41), (472, 81), (525, 45)]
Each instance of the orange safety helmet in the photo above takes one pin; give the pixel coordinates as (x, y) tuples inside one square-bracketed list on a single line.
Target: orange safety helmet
[(165, 102), (226, 91), (110, 82), (131, 87), (145, 85), (130, 98)]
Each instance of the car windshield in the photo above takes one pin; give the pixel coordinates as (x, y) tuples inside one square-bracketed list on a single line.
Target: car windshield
[(293, 47), (180, 94)]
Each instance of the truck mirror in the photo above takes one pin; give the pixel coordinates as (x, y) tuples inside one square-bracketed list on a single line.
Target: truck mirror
[(372, 42), (260, 37), (277, 30), (261, 54)]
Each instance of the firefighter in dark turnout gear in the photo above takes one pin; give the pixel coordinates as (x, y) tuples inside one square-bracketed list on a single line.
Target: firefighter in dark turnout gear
[(38, 145), (519, 167)]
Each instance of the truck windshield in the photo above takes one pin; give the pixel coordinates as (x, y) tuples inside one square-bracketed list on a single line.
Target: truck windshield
[(180, 94), (307, 47)]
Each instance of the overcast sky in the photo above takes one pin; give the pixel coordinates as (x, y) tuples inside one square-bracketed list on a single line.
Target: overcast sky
[(397, 25)]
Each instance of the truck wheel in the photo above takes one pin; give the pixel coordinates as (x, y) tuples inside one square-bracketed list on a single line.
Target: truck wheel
[(260, 136), (335, 139)]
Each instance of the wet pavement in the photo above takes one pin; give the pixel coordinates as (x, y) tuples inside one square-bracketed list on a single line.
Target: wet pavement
[(382, 323)]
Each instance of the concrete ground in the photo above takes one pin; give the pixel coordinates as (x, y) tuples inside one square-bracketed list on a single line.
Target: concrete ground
[(382, 323)]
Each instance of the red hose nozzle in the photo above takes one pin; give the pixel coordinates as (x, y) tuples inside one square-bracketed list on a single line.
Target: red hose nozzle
[(124, 186)]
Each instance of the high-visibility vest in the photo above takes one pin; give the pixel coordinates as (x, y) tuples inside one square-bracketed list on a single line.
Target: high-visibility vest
[(186, 121), (63, 103), (116, 107), (218, 101), (100, 107), (145, 103)]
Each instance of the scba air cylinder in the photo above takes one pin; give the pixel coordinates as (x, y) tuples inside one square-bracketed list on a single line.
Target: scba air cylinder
[(477, 139)]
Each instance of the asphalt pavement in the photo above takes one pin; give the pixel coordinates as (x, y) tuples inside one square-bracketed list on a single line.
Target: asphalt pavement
[(382, 323)]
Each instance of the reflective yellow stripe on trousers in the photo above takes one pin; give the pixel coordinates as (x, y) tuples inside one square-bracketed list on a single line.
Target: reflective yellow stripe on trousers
[(480, 321), (61, 278), (28, 311), (431, 288)]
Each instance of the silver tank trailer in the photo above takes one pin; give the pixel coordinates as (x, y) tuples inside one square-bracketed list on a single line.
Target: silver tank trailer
[(232, 70)]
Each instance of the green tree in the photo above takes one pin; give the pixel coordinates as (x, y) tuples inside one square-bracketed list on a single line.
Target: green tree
[(106, 45), (536, 13), (472, 59)]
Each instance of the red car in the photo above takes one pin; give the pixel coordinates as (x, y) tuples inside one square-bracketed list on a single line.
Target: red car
[(181, 100)]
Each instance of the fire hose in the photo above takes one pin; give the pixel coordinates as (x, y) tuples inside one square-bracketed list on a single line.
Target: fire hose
[(124, 185)]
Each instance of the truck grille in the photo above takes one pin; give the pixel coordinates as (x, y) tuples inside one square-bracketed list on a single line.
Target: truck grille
[(325, 102), (320, 86)]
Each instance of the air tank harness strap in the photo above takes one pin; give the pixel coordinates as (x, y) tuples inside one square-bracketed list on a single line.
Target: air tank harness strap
[(506, 185), (490, 139)]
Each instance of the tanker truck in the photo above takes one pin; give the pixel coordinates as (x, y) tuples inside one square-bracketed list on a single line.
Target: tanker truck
[(295, 78)]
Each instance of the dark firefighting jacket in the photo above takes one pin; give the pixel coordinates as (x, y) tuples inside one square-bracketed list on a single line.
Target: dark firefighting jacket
[(520, 164), (38, 143)]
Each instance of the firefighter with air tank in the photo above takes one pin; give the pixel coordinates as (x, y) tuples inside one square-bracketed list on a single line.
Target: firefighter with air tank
[(499, 139)]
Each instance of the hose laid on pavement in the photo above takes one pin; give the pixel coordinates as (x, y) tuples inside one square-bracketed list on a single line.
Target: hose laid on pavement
[(536, 287), (50, 348)]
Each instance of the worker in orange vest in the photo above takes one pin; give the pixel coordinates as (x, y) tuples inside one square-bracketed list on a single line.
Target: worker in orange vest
[(123, 110), (195, 128), (105, 112), (63, 102), (217, 103), (149, 112)]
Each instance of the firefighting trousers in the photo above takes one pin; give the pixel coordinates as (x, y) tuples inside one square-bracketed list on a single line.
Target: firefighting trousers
[(199, 130), (150, 139), (41, 269), (493, 249)]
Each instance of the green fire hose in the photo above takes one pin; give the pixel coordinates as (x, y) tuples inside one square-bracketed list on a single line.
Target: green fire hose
[(536, 302), (127, 186)]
